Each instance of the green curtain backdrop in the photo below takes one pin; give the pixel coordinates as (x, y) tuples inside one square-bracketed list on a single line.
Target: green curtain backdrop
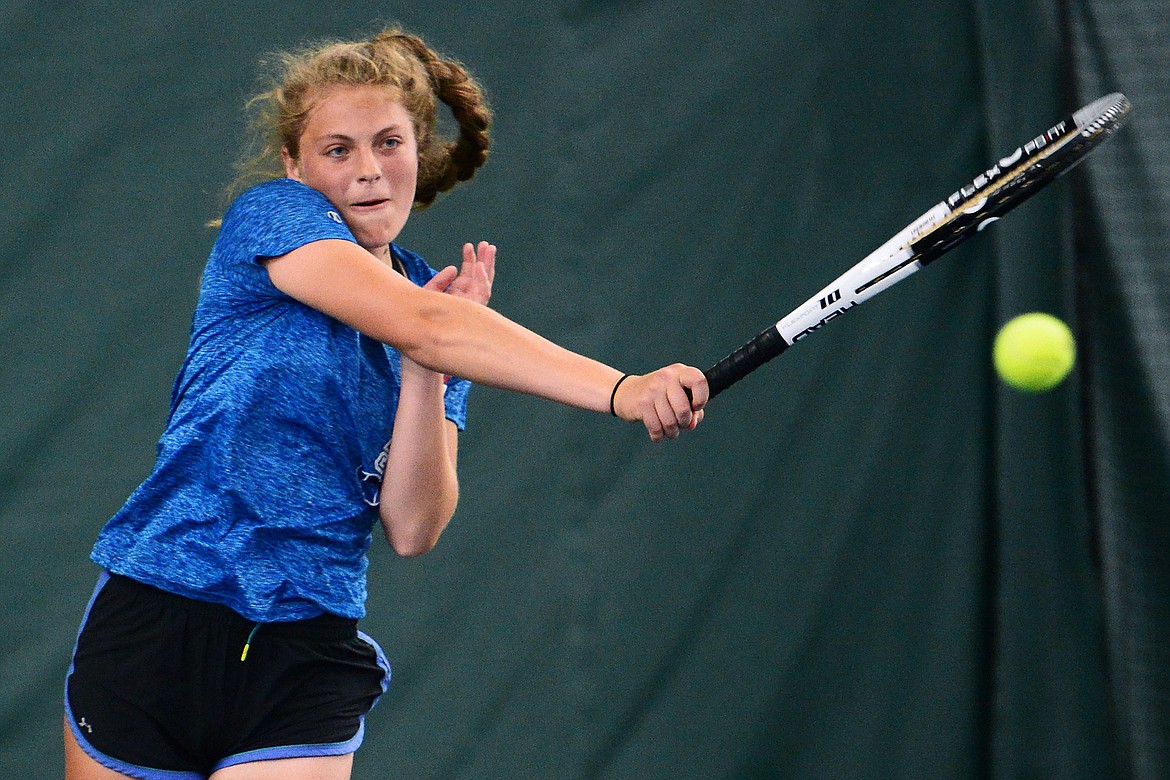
[(1043, 564), (871, 560), (1124, 229)]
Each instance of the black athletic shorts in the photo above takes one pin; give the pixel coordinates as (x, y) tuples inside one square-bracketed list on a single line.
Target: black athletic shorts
[(160, 685)]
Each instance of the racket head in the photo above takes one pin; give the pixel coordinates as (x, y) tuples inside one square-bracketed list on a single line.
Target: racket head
[(1018, 176)]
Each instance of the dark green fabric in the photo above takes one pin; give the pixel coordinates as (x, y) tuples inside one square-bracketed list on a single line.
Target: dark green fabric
[(1124, 229), (871, 560), (1043, 564)]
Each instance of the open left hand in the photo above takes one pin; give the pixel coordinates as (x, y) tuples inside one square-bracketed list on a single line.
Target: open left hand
[(474, 280)]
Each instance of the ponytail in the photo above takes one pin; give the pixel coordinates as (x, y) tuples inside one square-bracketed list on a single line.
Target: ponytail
[(443, 163), (394, 59)]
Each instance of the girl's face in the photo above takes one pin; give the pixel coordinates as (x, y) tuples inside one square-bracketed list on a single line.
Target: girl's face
[(358, 149)]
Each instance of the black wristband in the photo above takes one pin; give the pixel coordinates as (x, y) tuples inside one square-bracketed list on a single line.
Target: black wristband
[(613, 395)]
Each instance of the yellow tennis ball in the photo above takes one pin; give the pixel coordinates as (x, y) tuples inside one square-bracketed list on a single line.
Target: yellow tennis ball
[(1034, 352)]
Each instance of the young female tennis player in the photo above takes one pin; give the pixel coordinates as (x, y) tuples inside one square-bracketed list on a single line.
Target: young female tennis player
[(222, 638)]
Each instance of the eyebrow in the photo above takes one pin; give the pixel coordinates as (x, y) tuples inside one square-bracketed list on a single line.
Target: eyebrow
[(349, 139)]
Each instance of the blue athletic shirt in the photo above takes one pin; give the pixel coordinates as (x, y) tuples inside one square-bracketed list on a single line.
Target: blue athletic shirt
[(264, 494)]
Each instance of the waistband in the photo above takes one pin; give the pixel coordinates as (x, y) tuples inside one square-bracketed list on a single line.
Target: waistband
[(323, 627)]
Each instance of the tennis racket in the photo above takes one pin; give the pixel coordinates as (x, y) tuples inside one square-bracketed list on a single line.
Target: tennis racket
[(993, 193)]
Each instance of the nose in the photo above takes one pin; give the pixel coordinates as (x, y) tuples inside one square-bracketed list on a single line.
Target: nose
[(367, 168)]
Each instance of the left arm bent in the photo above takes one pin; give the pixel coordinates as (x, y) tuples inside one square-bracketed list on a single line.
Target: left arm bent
[(420, 489), (419, 485)]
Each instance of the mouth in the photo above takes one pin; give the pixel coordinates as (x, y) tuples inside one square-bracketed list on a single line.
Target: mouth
[(373, 203)]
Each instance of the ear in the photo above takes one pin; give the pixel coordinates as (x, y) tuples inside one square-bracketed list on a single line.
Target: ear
[(291, 168)]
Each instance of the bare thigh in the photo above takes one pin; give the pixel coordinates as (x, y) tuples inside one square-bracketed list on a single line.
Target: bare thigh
[(318, 768)]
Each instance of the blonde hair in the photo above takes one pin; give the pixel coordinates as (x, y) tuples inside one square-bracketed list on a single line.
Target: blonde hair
[(393, 59)]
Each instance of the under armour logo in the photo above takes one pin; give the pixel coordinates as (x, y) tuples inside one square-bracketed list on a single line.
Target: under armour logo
[(333, 215), (82, 724)]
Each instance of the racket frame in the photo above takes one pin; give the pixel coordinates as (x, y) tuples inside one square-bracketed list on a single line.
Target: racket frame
[(985, 199)]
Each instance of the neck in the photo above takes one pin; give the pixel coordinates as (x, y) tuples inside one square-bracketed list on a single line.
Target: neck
[(382, 253)]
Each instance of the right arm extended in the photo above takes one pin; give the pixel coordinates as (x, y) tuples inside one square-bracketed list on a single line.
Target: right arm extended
[(455, 336)]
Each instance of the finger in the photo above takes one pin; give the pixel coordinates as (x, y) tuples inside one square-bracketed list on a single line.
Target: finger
[(645, 408), (675, 404), (682, 401), (487, 257), (443, 279), (668, 416), (469, 258), (483, 284), (697, 388), (644, 411)]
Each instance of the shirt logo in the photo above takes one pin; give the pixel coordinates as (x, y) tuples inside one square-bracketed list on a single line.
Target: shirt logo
[(333, 215), (374, 478)]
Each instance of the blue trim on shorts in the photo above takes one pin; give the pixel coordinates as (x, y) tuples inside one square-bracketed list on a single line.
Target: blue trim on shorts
[(131, 770), (382, 662), (297, 751)]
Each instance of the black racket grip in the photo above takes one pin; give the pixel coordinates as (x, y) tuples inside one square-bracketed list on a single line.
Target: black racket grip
[(759, 350)]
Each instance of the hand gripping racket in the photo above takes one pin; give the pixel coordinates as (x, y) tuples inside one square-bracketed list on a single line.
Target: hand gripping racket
[(993, 193)]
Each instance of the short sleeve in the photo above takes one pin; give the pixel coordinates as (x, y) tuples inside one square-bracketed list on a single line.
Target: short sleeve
[(270, 220)]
